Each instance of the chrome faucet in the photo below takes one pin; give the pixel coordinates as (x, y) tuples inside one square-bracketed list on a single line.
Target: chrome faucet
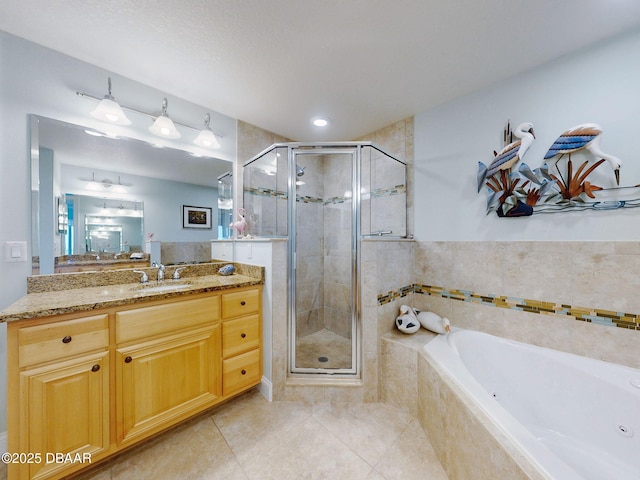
[(144, 278), (161, 269)]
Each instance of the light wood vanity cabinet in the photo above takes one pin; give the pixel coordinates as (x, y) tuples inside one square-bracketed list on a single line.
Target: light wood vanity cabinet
[(96, 384), (241, 330), (62, 378), (167, 364)]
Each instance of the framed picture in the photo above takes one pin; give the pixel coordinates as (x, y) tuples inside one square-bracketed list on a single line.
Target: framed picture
[(196, 217)]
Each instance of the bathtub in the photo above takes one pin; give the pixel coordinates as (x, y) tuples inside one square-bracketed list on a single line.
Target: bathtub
[(572, 417)]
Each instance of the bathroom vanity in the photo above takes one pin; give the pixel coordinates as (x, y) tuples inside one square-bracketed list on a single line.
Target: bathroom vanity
[(120, 363)]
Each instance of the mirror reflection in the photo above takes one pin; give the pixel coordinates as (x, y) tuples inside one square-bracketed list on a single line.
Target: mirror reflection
[(97, 201), (109, 226)]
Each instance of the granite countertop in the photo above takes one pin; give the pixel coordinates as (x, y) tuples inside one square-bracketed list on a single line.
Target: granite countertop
[(86, 298), (103, 261)]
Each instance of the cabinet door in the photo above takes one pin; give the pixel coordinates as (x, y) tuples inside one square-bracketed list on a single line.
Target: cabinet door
[(163, 381), (67, 411)]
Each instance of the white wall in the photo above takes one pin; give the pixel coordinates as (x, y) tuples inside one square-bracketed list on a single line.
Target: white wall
[(37, 80), (599, 85)]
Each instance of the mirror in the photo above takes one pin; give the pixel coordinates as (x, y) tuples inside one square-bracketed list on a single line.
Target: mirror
[(99, 196)]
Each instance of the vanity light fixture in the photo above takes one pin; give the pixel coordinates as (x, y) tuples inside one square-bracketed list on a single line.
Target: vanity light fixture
[(206, 138), (93, 185), (105, 185), (108, 110), (118, 187), (163, 126)]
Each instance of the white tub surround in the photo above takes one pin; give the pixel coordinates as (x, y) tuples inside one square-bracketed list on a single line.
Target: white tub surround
[(548, 414)]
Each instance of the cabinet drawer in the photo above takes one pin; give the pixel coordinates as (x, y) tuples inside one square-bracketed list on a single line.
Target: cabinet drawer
[(240, 303), (240, 335), (147, 322), (241, 371), (52, 341)]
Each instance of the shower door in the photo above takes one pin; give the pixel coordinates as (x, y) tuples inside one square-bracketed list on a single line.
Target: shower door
[(323, 310)]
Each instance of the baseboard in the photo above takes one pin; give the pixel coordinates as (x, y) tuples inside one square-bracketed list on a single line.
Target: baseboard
[(265, 388), (3, 442)]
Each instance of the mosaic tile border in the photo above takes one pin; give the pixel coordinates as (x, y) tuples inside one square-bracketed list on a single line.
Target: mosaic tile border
[(308, 199), (608, 318), (266, 192), (389, 191), (377, 193)]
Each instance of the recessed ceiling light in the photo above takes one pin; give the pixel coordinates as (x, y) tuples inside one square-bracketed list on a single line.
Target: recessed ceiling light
[(320, 121)]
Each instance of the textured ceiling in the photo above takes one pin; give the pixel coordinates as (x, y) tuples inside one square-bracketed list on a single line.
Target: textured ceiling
[(277, 63)]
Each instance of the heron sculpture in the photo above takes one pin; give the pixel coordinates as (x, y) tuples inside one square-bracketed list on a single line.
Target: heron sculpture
[(509, 155), (583, 137)]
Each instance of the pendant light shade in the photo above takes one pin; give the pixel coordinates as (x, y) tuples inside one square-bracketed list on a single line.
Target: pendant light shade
[(206, 138), (163, 126), (93, 185), (108, 110)]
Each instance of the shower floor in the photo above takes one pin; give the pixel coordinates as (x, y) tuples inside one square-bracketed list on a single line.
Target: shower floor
[(320, 345)]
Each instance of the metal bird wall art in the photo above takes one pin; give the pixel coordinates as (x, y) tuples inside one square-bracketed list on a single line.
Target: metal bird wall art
[(497, 176), (560, 187)]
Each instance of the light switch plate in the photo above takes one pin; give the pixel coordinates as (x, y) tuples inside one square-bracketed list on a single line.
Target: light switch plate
[(15, 251)]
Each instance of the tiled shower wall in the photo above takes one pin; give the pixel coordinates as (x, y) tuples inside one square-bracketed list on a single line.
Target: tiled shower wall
[(337, 244), (385, 264), (578, 297)]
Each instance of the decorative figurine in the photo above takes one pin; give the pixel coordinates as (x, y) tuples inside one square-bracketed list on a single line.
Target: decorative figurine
[(228, 269), (434, 322), (239, 225), (407, 322)]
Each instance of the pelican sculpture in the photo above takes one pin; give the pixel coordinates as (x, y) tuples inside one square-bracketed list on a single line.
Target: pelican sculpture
[(241, 224), (509, 155), (583, 137)]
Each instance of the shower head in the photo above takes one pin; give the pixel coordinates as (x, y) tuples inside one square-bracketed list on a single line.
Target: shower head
[(300, 170)]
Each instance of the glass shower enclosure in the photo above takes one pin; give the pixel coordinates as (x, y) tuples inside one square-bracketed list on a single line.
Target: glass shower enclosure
[(325, 198)]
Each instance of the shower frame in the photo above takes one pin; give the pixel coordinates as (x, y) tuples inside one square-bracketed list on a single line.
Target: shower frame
[(295, 149)]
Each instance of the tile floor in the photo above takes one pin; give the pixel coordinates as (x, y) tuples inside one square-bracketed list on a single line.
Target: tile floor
[(335, 348), (250, 438)]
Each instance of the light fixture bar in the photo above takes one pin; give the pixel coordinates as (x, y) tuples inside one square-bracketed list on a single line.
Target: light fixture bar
[(150, 115)]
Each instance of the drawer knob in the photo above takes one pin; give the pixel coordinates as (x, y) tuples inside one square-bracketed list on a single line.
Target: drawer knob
[(128, 359), (243, 335), (243, 303), (95, 368), (66, 339), (244, 372)]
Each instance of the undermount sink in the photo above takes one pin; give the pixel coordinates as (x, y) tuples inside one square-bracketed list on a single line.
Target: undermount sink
[(163, 287)]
